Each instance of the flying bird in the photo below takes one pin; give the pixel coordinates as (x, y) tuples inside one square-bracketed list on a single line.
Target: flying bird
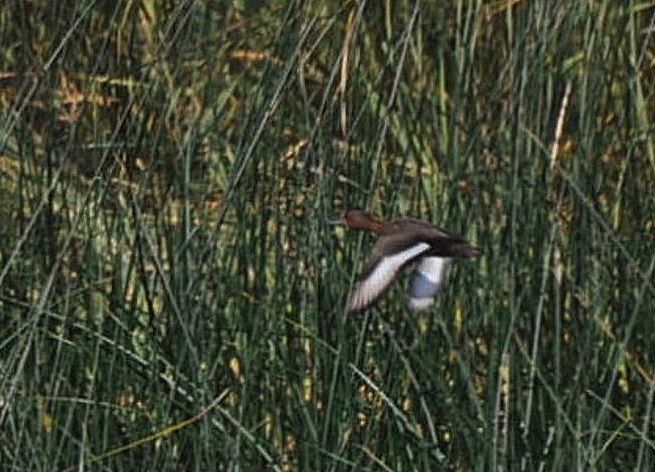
[(400, 243)]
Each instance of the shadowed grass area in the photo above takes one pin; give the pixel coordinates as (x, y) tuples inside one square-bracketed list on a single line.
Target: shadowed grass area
[(171, 296)]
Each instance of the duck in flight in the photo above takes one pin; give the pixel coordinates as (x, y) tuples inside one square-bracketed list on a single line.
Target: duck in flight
[(400, 243)]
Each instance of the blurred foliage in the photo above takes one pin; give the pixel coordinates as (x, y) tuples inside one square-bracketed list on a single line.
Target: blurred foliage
[(171, 296)]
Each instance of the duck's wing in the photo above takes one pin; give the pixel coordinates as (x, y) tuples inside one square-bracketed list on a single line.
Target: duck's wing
[(444, 243), (429, 277), (382, 267), (424, 227)]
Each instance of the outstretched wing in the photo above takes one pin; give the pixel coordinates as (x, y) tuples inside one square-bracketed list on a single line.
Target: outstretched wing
[(381, 271), (430, 276)]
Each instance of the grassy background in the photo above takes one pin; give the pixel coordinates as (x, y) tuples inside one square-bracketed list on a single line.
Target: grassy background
[(171, 296)]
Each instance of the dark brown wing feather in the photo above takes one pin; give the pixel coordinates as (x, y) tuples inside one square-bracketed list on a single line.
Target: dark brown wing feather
[(444, 243)]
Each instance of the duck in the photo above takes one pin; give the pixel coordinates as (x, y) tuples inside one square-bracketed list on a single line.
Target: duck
[(402, 243)]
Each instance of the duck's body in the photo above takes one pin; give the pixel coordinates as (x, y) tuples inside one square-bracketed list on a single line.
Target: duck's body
[(400, 243)]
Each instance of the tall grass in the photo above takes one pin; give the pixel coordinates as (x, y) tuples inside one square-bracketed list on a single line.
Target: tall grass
[(172, 298)]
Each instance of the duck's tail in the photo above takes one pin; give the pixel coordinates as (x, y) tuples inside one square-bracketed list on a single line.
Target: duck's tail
[(465, 250)]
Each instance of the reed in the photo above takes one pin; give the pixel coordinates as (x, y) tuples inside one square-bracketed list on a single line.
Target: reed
[(171, 296)]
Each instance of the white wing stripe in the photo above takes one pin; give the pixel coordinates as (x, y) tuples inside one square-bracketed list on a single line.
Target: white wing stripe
[(381, 276), (419, 304), (423, 286), (435, 268), (430, 276)]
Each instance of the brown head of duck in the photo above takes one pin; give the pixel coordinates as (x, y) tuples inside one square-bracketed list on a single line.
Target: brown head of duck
[(359, 219)]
